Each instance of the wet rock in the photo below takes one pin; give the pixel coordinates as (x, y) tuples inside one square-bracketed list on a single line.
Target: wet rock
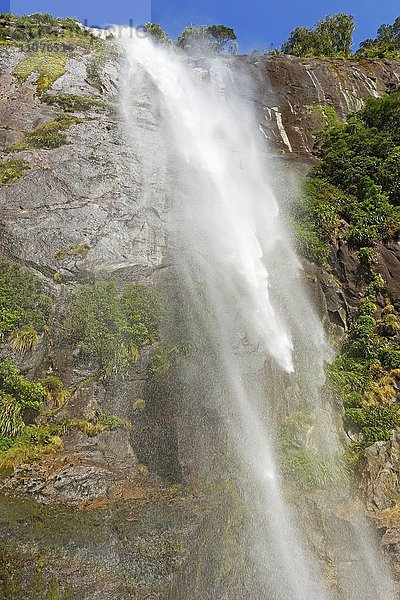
[(96, 191), (87, 468), (381, 474)]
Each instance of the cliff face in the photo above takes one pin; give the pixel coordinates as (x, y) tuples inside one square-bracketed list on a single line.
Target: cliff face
[(292, 93), (90, 210)]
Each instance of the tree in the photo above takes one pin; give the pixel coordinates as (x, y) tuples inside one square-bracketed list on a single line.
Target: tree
[(157, 33), (195, 39), (225, 37), (386, 43), (336, 33), (302, 42), (207, 39), (331, 36)]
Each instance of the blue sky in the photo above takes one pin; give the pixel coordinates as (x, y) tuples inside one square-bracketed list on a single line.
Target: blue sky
[(258, 23)]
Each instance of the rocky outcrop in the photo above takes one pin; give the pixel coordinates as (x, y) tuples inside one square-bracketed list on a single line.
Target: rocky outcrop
[(292, 92)]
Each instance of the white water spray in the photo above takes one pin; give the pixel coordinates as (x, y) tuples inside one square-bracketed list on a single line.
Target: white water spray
[(242, 280)]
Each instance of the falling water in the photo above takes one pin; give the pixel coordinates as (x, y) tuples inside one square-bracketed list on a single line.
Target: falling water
[(242, 281)]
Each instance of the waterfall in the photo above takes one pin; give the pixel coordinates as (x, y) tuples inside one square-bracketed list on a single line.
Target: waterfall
[(258, 340)]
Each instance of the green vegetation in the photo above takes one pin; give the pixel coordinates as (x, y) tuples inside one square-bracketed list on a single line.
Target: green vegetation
[(24, 339), (24, 307), (22, 441), (332, 36), (315, 217), (48, 136), (31, 444), (327, 114), (71, 102), (48, 66), (56, 393), (355, 188), (12, 170), (96, 424), (110, 328), (24, 311), (163, 359), (385, 45), (364, 374), (40, 31), (157, 34), (301, 464), (309, 471), (204, 39), (20, 401), (18, 398), (82, 251), (22, 576)]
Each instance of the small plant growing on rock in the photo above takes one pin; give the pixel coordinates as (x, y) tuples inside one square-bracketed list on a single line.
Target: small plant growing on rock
[(56, 393), (81, 251), (71, 102), (11, 421), (48, 136), (25, 339), (12, 170)]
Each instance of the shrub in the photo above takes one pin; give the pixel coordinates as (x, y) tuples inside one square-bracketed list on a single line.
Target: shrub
[(25, 339), (314, 218), (24, 307), (112, 422), (356, 182), (30, 445), (143, 309), (98, 423), (364, 375), (163, 359), (29, 395), (110, 328), (42, 32), (56, 392), (19, 399), (375, 423), (293, 427), (207, 39), (390, 358), (11, 421), (366, 255), (388, 325)]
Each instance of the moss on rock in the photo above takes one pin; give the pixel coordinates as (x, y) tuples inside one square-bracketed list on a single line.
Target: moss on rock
[(12, 170), (72, 102), (48, 66), (48, 136)]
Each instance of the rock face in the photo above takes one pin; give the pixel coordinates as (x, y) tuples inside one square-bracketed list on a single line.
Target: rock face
[(292, 92), (382, 471), (94, 192)]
